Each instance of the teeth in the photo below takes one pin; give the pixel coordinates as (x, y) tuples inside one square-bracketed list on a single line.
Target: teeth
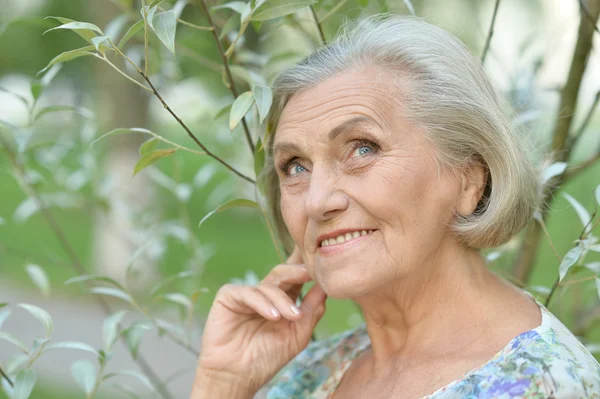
[(344, 237)]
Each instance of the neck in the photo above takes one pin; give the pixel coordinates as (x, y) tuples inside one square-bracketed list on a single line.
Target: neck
[(421, 310)]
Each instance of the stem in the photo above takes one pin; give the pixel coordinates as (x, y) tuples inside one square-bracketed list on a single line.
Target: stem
[(243, 28), (488, 40), (586, 120), (187, 129), (543, 224), (587, 14), (227, 70), (75, 263), (98, 380), (191, 25), (319, 26), (7, 378), (332, 11), (581, 280), (103, 58), (145, 15), (560, 144), (570, 174)]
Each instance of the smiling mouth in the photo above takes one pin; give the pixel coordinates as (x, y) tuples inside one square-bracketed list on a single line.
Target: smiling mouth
[(342, 238)]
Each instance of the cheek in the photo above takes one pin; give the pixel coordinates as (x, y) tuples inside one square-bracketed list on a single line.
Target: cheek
[(291, 211)]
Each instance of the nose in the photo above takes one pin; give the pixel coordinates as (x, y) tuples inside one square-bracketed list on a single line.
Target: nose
[(325, 198)]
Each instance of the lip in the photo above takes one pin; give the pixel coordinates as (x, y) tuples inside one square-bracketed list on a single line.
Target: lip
[(336, 233), (330, 250)]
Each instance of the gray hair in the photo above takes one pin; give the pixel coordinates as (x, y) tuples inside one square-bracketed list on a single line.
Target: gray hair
[(446, 93)]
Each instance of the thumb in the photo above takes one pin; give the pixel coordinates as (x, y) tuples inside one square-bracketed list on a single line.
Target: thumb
[(313, 308)]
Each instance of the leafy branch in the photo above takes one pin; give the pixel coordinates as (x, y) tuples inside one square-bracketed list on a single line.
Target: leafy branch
[(225, 61), (561, 144), (75, 262)]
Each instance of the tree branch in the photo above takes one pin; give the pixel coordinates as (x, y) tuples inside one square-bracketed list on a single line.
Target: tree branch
[(587, 14), (488, 40), (76, 264), (185, 127), (560, 145), (319, 27), (227, 70), (586, 121), (7, 378)]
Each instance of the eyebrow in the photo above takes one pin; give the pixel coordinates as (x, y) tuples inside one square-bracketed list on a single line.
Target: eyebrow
[(333, 133)]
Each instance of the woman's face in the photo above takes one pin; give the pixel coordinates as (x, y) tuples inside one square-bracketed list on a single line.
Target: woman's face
[(350, 163)]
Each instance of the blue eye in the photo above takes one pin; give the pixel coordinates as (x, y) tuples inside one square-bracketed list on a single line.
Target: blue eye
[(363, 150), (295, 169)]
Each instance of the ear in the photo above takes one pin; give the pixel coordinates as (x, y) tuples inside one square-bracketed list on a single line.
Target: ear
[(473, 181)]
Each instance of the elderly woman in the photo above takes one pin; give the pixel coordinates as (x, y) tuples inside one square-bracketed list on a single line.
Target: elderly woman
[(392, 164)]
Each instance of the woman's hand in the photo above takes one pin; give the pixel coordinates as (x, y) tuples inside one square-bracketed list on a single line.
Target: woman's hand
[(253, 331)]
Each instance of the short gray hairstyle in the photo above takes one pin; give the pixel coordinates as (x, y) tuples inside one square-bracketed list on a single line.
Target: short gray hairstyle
[(446, 92)]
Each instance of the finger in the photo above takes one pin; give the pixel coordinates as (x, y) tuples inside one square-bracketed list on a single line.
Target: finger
[(248, 300), (282, 302), (287, 274), (313, 308), (296, 256)]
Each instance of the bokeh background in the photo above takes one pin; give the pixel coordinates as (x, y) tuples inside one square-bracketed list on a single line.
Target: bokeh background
[(107, 214)]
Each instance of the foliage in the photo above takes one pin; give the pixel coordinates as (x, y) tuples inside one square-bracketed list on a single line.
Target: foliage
[(133, 45)]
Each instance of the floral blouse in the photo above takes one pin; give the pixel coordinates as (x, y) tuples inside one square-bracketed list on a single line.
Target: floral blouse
[(546, 362)]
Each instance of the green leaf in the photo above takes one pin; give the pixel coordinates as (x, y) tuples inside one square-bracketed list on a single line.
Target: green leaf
[(120, 131), (222, 112), (150, 158), (114, 28), (161, 284), (149, 146), (569, 260), (4, 314), (39, 278), (237, 6), (410, 6), (79, 26), (259, 157), (133, 336), (245, 13), (598, 194), (24, 384), (89, 277), (231, 24), (98, 40), (264, 98), (235, 203), (135, 28), (112, 292), (86, 33), (70, 345), (583, 214), (131, 373), (179, 299), (40, 314), (50, 75), (279, 8), (595, 248), (69, 56), (14, 340), (557, 168), (109, 329), (36, 88), (64, 108), (164, 24), (240, 107), (84, 373), (598, 286)]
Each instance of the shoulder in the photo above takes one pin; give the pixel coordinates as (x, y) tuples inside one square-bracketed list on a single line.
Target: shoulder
[(312, 367), (546, 362)]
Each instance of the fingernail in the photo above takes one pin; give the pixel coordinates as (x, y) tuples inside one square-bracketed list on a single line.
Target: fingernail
[(295, 310), (274, 312)]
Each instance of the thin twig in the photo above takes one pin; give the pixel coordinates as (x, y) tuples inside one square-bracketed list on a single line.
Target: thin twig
[(588, 16), (207, 62), (488, 40), (191, 25), (243, 28), (185, 127), (576, 170), (7, 378), (319, 27), (543, 224), (103, 58), (145, 15), (227, 70), (333, 10), (75, 263), (586, 120)]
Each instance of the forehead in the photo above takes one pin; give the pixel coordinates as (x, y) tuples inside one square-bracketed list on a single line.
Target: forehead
[(348, 95)]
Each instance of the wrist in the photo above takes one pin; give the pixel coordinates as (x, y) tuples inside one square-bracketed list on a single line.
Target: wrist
[(220, 384)]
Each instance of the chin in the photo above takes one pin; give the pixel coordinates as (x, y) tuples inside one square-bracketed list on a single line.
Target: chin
[(343, 286)]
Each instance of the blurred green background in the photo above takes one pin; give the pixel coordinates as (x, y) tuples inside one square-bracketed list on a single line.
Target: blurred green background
[(240, 239)]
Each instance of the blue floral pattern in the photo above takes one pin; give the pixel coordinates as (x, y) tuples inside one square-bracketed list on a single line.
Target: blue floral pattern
[(546, 362)]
